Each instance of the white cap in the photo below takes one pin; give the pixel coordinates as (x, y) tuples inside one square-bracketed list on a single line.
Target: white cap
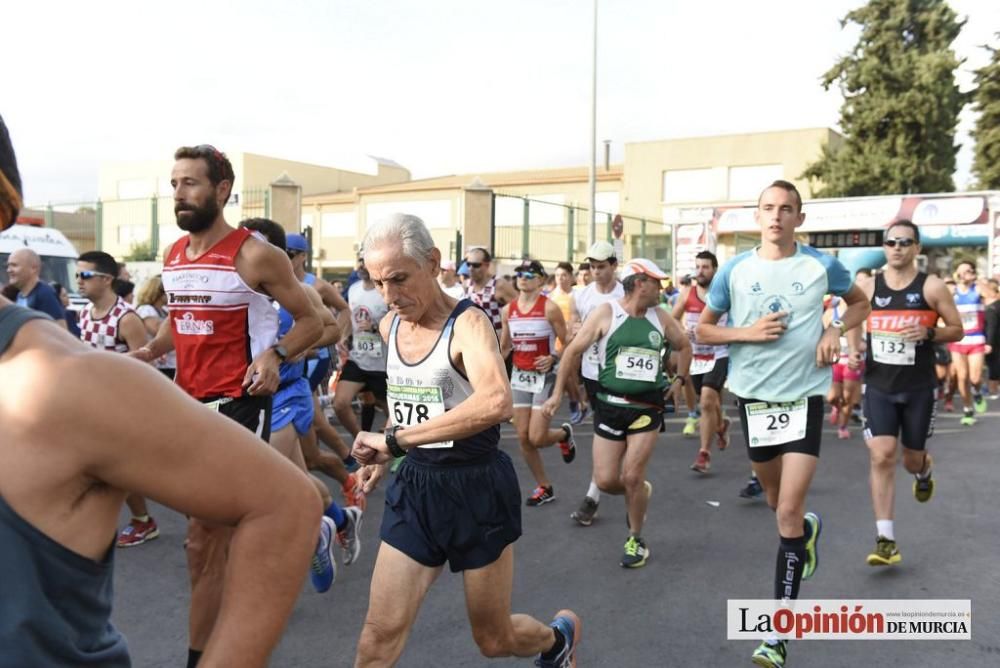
[(448, 265), (601, 251), (641, 265)]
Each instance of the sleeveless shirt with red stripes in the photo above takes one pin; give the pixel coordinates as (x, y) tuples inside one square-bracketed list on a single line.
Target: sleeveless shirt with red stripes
[(531, 333), (219, 323)]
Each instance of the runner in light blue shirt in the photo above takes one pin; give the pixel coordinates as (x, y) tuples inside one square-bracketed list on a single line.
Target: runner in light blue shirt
[(779, 358)]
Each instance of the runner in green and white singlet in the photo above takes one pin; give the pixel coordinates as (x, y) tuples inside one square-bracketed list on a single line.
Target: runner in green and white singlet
[(630, 334)]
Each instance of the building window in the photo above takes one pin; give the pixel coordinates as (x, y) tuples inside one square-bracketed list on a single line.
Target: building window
[(337, 224), (746, 183), (694, 185)]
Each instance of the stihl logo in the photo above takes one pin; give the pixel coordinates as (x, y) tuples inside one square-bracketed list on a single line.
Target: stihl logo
[(893, 321)]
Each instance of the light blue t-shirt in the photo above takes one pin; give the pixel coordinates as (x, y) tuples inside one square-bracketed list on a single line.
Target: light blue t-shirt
[(748, 287)]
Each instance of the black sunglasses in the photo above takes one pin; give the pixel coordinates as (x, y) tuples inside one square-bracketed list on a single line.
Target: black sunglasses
[(902, 242), (292, 254), (474, 265)]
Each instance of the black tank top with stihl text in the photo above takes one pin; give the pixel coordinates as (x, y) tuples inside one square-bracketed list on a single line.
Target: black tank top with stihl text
[(893, 365)]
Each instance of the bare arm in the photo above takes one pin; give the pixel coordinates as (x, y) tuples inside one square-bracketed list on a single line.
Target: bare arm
[(553, 314), (941, 300), (505, 339), (506, 293), (768, 328), (679, 342), (206, 466), (132, 331), (331, 332), (858, 308), (574, 317), (593, 329), (678, 310), (331, 298)]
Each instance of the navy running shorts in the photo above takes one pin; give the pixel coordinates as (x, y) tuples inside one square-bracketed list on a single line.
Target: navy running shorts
[(808, 444), (465, 514), (373, 381), (318, 369), (616, 422), (908, 416)]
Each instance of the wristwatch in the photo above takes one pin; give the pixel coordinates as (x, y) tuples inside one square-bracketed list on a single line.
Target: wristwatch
[(839, 324), (280, 351), (931, 333), (390, 441)]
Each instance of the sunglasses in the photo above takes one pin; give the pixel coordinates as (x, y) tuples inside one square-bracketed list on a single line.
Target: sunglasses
[(527, 275), (474, 265), (292, 254), (902, 242), (86, 275)]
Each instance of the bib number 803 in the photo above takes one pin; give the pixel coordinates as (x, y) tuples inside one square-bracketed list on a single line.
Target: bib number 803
[(404, 412)]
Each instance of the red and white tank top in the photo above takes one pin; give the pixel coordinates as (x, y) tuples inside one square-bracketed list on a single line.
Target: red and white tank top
[(703, 356), (219, 323), (531, 333), (103, 333)]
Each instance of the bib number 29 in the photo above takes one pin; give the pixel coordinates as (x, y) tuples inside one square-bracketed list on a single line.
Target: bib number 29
[(778, 421)]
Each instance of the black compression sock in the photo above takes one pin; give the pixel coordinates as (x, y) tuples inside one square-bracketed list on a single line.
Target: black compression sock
[(367, 417), (556, 647), (788, 567), (194, 656)]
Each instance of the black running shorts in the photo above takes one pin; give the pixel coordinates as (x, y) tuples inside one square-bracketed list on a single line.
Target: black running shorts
[(808, 445), (715, 379), (373, 381), (465, 514), (254, 413), (908, 416), (616, 422)]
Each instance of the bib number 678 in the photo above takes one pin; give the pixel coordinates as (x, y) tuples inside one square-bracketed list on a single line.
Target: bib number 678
[(404, 411)]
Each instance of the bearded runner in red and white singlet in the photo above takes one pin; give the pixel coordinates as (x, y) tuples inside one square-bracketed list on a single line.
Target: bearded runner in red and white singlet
[(532, 324), (218, 282)]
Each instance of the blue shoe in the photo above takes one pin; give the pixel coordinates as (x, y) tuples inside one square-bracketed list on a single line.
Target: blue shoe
[(324, 568), (351, 464), (812, 545), (568, 624), (579, 416)]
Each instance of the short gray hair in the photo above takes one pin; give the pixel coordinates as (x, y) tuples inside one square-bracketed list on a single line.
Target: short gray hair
[(408, 231)]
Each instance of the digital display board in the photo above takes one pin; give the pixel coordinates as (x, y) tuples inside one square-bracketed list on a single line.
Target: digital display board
[(846, 239)]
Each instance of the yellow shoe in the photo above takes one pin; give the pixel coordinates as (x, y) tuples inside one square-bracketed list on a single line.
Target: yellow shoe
[(886, 553), (690, 427)]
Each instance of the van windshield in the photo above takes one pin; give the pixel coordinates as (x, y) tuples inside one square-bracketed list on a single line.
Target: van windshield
[(57, 269)]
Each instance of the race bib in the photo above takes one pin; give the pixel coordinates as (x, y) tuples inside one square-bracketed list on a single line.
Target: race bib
[(368, 344), (776, 423), (412, 405), (527, 381), (639, 364), (970, 320), (593, 355), (700, 365), (893, 349)]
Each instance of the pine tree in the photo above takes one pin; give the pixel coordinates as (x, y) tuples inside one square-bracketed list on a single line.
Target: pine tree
[(986, 161), (901, 102)]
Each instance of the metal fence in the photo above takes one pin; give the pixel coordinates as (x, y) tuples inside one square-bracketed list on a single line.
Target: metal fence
[(555, 232)]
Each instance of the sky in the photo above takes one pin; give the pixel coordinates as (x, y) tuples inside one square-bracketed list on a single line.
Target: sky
[(439, 86)]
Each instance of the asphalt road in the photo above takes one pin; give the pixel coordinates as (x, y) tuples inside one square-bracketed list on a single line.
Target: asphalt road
[(672, 612)]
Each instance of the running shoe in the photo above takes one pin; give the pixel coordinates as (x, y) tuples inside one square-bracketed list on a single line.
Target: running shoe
[(980, 403), (886, 553), (354, 495), (540, 496), (723, 433), (348, 538), (967, 420), (690, 426), (752, 490), (351, 464), (138, 532), (584, 515), (812, 548), (575, 416), (702, 462), (923, 490), (834, 414), (770, 656), (568, 625), (843, 433), (636, 553), (568, 447), (324, 566), (949, 406)]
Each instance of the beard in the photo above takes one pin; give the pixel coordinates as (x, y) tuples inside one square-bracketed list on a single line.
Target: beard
[(363, 274), (199, 218), (703, 282)]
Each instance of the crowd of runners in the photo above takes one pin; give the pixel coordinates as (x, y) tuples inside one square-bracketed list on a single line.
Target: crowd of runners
[(437, 358)]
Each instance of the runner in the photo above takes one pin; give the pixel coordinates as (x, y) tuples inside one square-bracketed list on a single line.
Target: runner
[(561, 295), (900, 377), (486, 290), (779, 356), (532, 324), (292, 425), (365, 368), (455, 497), (709, 364), (602, 263), (110, 323), (64, 469), (448, 280), (224, 329), (969, 355), (845, 390), (630, 334)]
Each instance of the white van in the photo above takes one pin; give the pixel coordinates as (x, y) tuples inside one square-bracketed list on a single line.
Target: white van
[(57, 253)]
